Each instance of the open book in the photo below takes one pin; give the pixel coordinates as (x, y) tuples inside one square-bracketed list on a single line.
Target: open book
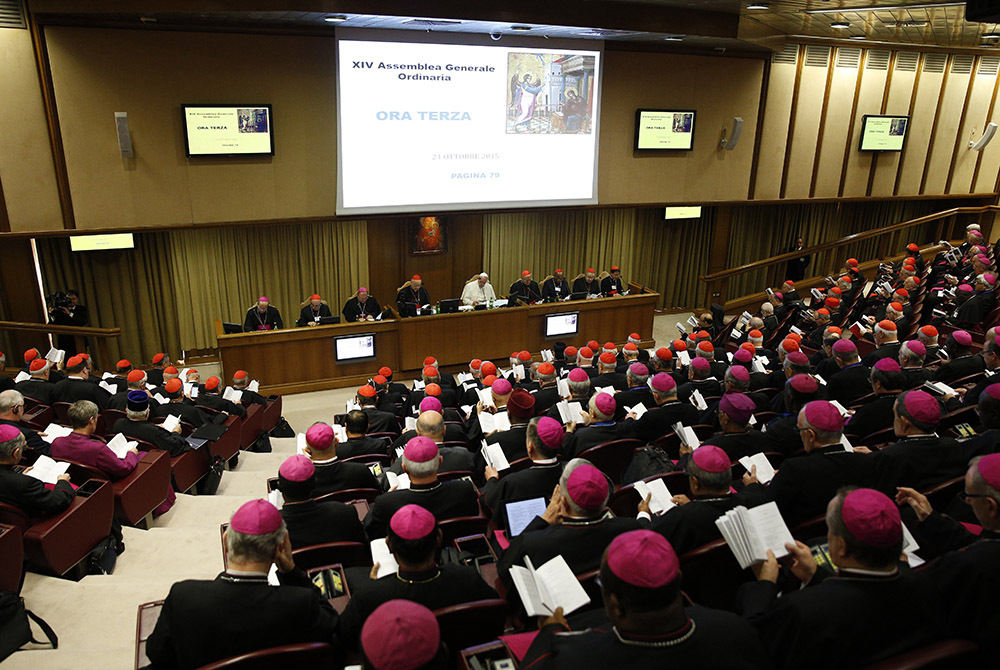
[(551, 586), (486, 397), (661, 499), (234, 395), (570, 412), (120, 445), (490, 422), (54, 430), (171, 422), (687, 435), (397, 481), (751, 532), (698, 400), (387, 564), (47, 470), (940, 388), (494, 456), (765, 472)]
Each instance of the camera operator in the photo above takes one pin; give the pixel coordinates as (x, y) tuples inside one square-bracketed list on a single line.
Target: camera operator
[(65, 310)]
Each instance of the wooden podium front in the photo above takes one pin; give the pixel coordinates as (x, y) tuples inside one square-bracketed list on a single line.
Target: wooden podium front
[(296, 360)]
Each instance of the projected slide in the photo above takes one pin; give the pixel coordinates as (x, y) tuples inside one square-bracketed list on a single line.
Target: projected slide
[(435, 126), (215, 131)]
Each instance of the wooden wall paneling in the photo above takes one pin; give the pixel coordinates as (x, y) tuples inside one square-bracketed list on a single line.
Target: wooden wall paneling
[(963, 159), (761, 106), (434, 269), (792, 115), (853, 165), (899, 98), (386, 270), (885, 99), (987, 172), (947, 117), (838, 121), (778, 112), (468, 251), (923, 110), (989, 117), (4, 219), (802, 149), (19, 294)]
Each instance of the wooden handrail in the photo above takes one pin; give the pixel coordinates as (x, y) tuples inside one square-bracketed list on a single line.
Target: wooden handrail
[(844, 241), (103, 359)]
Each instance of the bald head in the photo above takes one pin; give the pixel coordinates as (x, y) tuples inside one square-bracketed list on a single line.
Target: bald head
[(431, 424)]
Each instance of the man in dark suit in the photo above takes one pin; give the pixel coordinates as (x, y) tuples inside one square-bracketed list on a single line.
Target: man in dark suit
[(865, 539), (378, 421), (180, 406), (11, 412), (241, 379), (239, 612), (606, 375), (520, 409), (804, 485), (886, 343), (211, 398), (6, 383), (412, 297), (77, 387), (23, 491), (637, 391), (600, 426), (556, 287), (309, 521), (668, 410), (445, 500), (136, 425), (887, 381), (613, 283), (698, 380), (547, 394), (911, 362), (737, 439), (357, 444), (313, 311), (136, 381), (587, 283), (362, 307), (154, 376), (782, 432), (525, 289), (332, 474), (961, 362), (39, 387), (544, 442), (851, 382), (262, 316), (796, 269)]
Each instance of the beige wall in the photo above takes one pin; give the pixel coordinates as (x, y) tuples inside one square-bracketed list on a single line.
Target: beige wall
[(26, 170)]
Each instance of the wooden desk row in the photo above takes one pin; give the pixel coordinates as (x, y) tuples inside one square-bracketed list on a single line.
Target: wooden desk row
[(296, 360)]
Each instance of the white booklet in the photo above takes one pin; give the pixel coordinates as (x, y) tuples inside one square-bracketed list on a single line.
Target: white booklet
[(55, 356), (661, 499), (684, 357), (463, 377), (522, 512), (47, 470), (22, 376), (751, 532), (639, 410), (108, 387), (759, 365), (562, 387), (490, 422), (486, 397), (687, 435), (940, 388), (698, 400), (846, 443), (518, 372), (275, 498), (548, 356), (909, 546), (494, 456), (253, 386), (234, 395), (765, 472), (551, 586), (120, 445), (171, 422), (570, 412), (610, 390), (300, 444), (397, 481), (54, 430), (161, 399), (350, 405), (840, 408), (387, 564), (410, 423)]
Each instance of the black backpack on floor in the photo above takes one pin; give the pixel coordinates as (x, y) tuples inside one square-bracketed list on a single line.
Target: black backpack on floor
[(647, 462), (15, 631)]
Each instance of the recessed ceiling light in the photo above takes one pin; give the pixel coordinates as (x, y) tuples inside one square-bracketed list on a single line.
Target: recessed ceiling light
[(839, 10), (840, 24), (991, 36), (335, 18), (858, 37), (673, 38), (758, 5), (521, 29)]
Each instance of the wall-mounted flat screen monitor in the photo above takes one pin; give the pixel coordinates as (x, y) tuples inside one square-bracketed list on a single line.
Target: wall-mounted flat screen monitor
[(228, 130), (883, 133), (350, 348), (557, 325), (664, 129), (428, 123)]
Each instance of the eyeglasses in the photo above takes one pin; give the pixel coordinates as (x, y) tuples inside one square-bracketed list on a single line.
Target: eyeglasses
[(799, 430), (964, 497)]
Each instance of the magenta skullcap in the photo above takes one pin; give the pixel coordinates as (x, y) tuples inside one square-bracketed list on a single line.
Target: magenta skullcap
[(412, 522), (822, 415), (743, 356), (740, 373), (257, 517), (501, 387), (711, 458), (643, 558), (887, 365), (993, 391), (638, 369), (605, 403), (663, 382), (263, 298), (963, 337), (400, 635), (319, 435), (8, 432), (550, 432), (420, 449), (362, 288), (965, 288), (922, 407), (844, 347), (984, 259), (989, 469), (917, 347), (587, 487), (737, 407), (430, 404), (872, 518), (578, 375), (700, 363), (798, 358), (804, 383), (297, 468)]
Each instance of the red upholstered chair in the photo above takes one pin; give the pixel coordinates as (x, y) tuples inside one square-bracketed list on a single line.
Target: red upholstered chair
[(62, 412), (348, 554), (272, 414), (138, 494), (612, 458), (626, 499), (473, 623), (711, 575), (11, 558), (382, 459), (302, 655), (943, 655), (145, 623), (56, 544), (350, 495), (39, 417), (810, 530), (461, 526), (251, 426), (189, 468)]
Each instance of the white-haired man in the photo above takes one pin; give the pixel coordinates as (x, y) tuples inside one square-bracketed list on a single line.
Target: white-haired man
[(478, 292)]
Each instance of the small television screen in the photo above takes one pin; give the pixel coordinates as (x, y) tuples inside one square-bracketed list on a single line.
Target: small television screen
[(664, 129), (349, 348), (228, 130), (883, 133), (557, 325)]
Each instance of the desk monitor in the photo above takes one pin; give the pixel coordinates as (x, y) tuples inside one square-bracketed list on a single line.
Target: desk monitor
[(231, 328), (328, 320), (579, 295), (450, 306), (350, 348), (557, 325)]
